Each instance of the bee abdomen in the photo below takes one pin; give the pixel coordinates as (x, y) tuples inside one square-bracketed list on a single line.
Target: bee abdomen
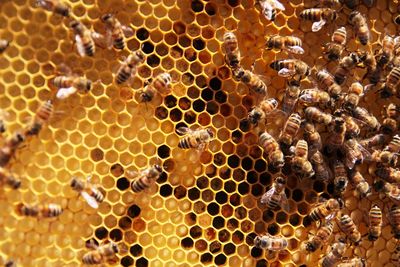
[(123, 76), (139, 185), (184, 143), (89, 49), (62, 10), (89, 259), (98, 196), (119, 43)]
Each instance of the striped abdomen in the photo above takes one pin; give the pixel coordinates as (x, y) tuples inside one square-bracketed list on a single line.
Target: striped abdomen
[(51, 210), (375, 223), (140, 184), (123, 74), (187, 142), (119, 43), (92, 258)]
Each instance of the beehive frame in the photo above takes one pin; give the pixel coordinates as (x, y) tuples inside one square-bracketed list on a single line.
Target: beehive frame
[(203, 210)]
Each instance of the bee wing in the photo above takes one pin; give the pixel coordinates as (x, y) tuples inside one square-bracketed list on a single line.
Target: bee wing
[(278, 5), (128, 31), (284, 72), (284, 201), (267, 195), (295, 49), (104, 41), (350, 162), (90, 200), (43, 4), (266, 9), (366, 154), (331, 216), (79, 45), (183, 130), (318, 25), (133, 174), (64, 93)]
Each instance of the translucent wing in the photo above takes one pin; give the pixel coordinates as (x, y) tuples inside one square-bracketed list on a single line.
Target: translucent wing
[(43, 4), (284, 201), (64, 93), (267, 9), (318, 25), (90, 200), (79, 45), (128, 31), (350, 162), (330, 216), (183, 130), (286, 72), (278, 5), (365, 153), (104, 41), (295, 49), (267, 195)]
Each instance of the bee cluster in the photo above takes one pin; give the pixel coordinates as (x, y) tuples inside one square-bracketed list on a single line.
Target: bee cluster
[(326, 138)]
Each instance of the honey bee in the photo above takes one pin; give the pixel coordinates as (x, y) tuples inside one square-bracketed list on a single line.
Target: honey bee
[(289, 43), (354, 262), (393, 111), (355, 153), (335, 48), (290, 129), (385, 55), (334, 255), (329, 3), (388, 174), (352, 128), (327, 83), (337, 136), (276, 197), (252, 80), (92, 195), (385, 158), (320, 238), (145, 178), (4, 44), (116, 32), (341, 179), (319, 17), (389, 126), (390, 190), (326, 210), (345, 65), (260, 113), (231, 47), (315, 115), (374, 71), (39, 211), (309, 97), (320, 166), (290, 98), (42, 116), (198, 139), (100, 254), (9, 179), (291, 67), (271, 243), (312, 137), (161, 84), (9, 148), (69, 85), (369, 3), (367, 118), (55, 6), (271, 147), (352, 98), (10, 263), (358, 181), (376, 140), (269, 7), (128, 67), (395, 258), (300, 164), (85, 43), (375, 223), (360, 26), (394, 220), (392, 81), (349, 228)]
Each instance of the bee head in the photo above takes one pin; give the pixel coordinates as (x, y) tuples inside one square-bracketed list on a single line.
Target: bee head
[(210, 132), (281, 180), (257, 241), (88, 85), (157, 167), (310, 247), (372, 237), (270, 43), (114, 247), (352, 15), (139, 54), (106, 17), (341, 202), (254, 116), (74, 24), (378, 185), (15, 183), (19, 138)]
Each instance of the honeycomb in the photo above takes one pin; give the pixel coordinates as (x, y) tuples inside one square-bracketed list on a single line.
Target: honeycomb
[(204, 210)]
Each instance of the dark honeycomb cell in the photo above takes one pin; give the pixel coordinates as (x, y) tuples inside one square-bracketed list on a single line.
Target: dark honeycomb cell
[(220, 97), (268, 215), (246, 226), (190, 54), (250, 239), (207, 195), (126, 261), (213, 209), (147, 47), (256, 252), (185, 41), (330, 188), (227, 210), (202, 182), (142, 34), (207, 94), (215, 247), (210, 9), (211, 170), (265, 179), (221, 197), (237, 136), (184, 103), (307, 221), (162, 49), (251, 177), (260, 165), (201, 81), (190, 117), (153, 61), (233, 3), (97, 154), (212, 108), (281, 217), (123, 183), (303, 208), (161, 112), (237, 236), (116, 235), (166, 190), (163, 151), (244, 188), (170, 101), (175, 115), (179, 192), (199, 44), (225, 173), (319, 186), (240, 213), (229, 249), (125, 223), (297, 195), (219, 159), (244, 125), (230, 186), (200, 245), (194, 194), (206, 257), (142, 262), (218, 222), (176, 52), (117, 170), (101, 232), (199, 105), (257, 190), (216, 184), (224, 236), (179, 27), (273, 229), (220, 259), (133, 211), (197, 6), (162, 178), (225, 110), (215, 83), (233, 161), (294, 219), (235, 199), (187, 242), (195, 231), (210, 233), (262, 263)]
